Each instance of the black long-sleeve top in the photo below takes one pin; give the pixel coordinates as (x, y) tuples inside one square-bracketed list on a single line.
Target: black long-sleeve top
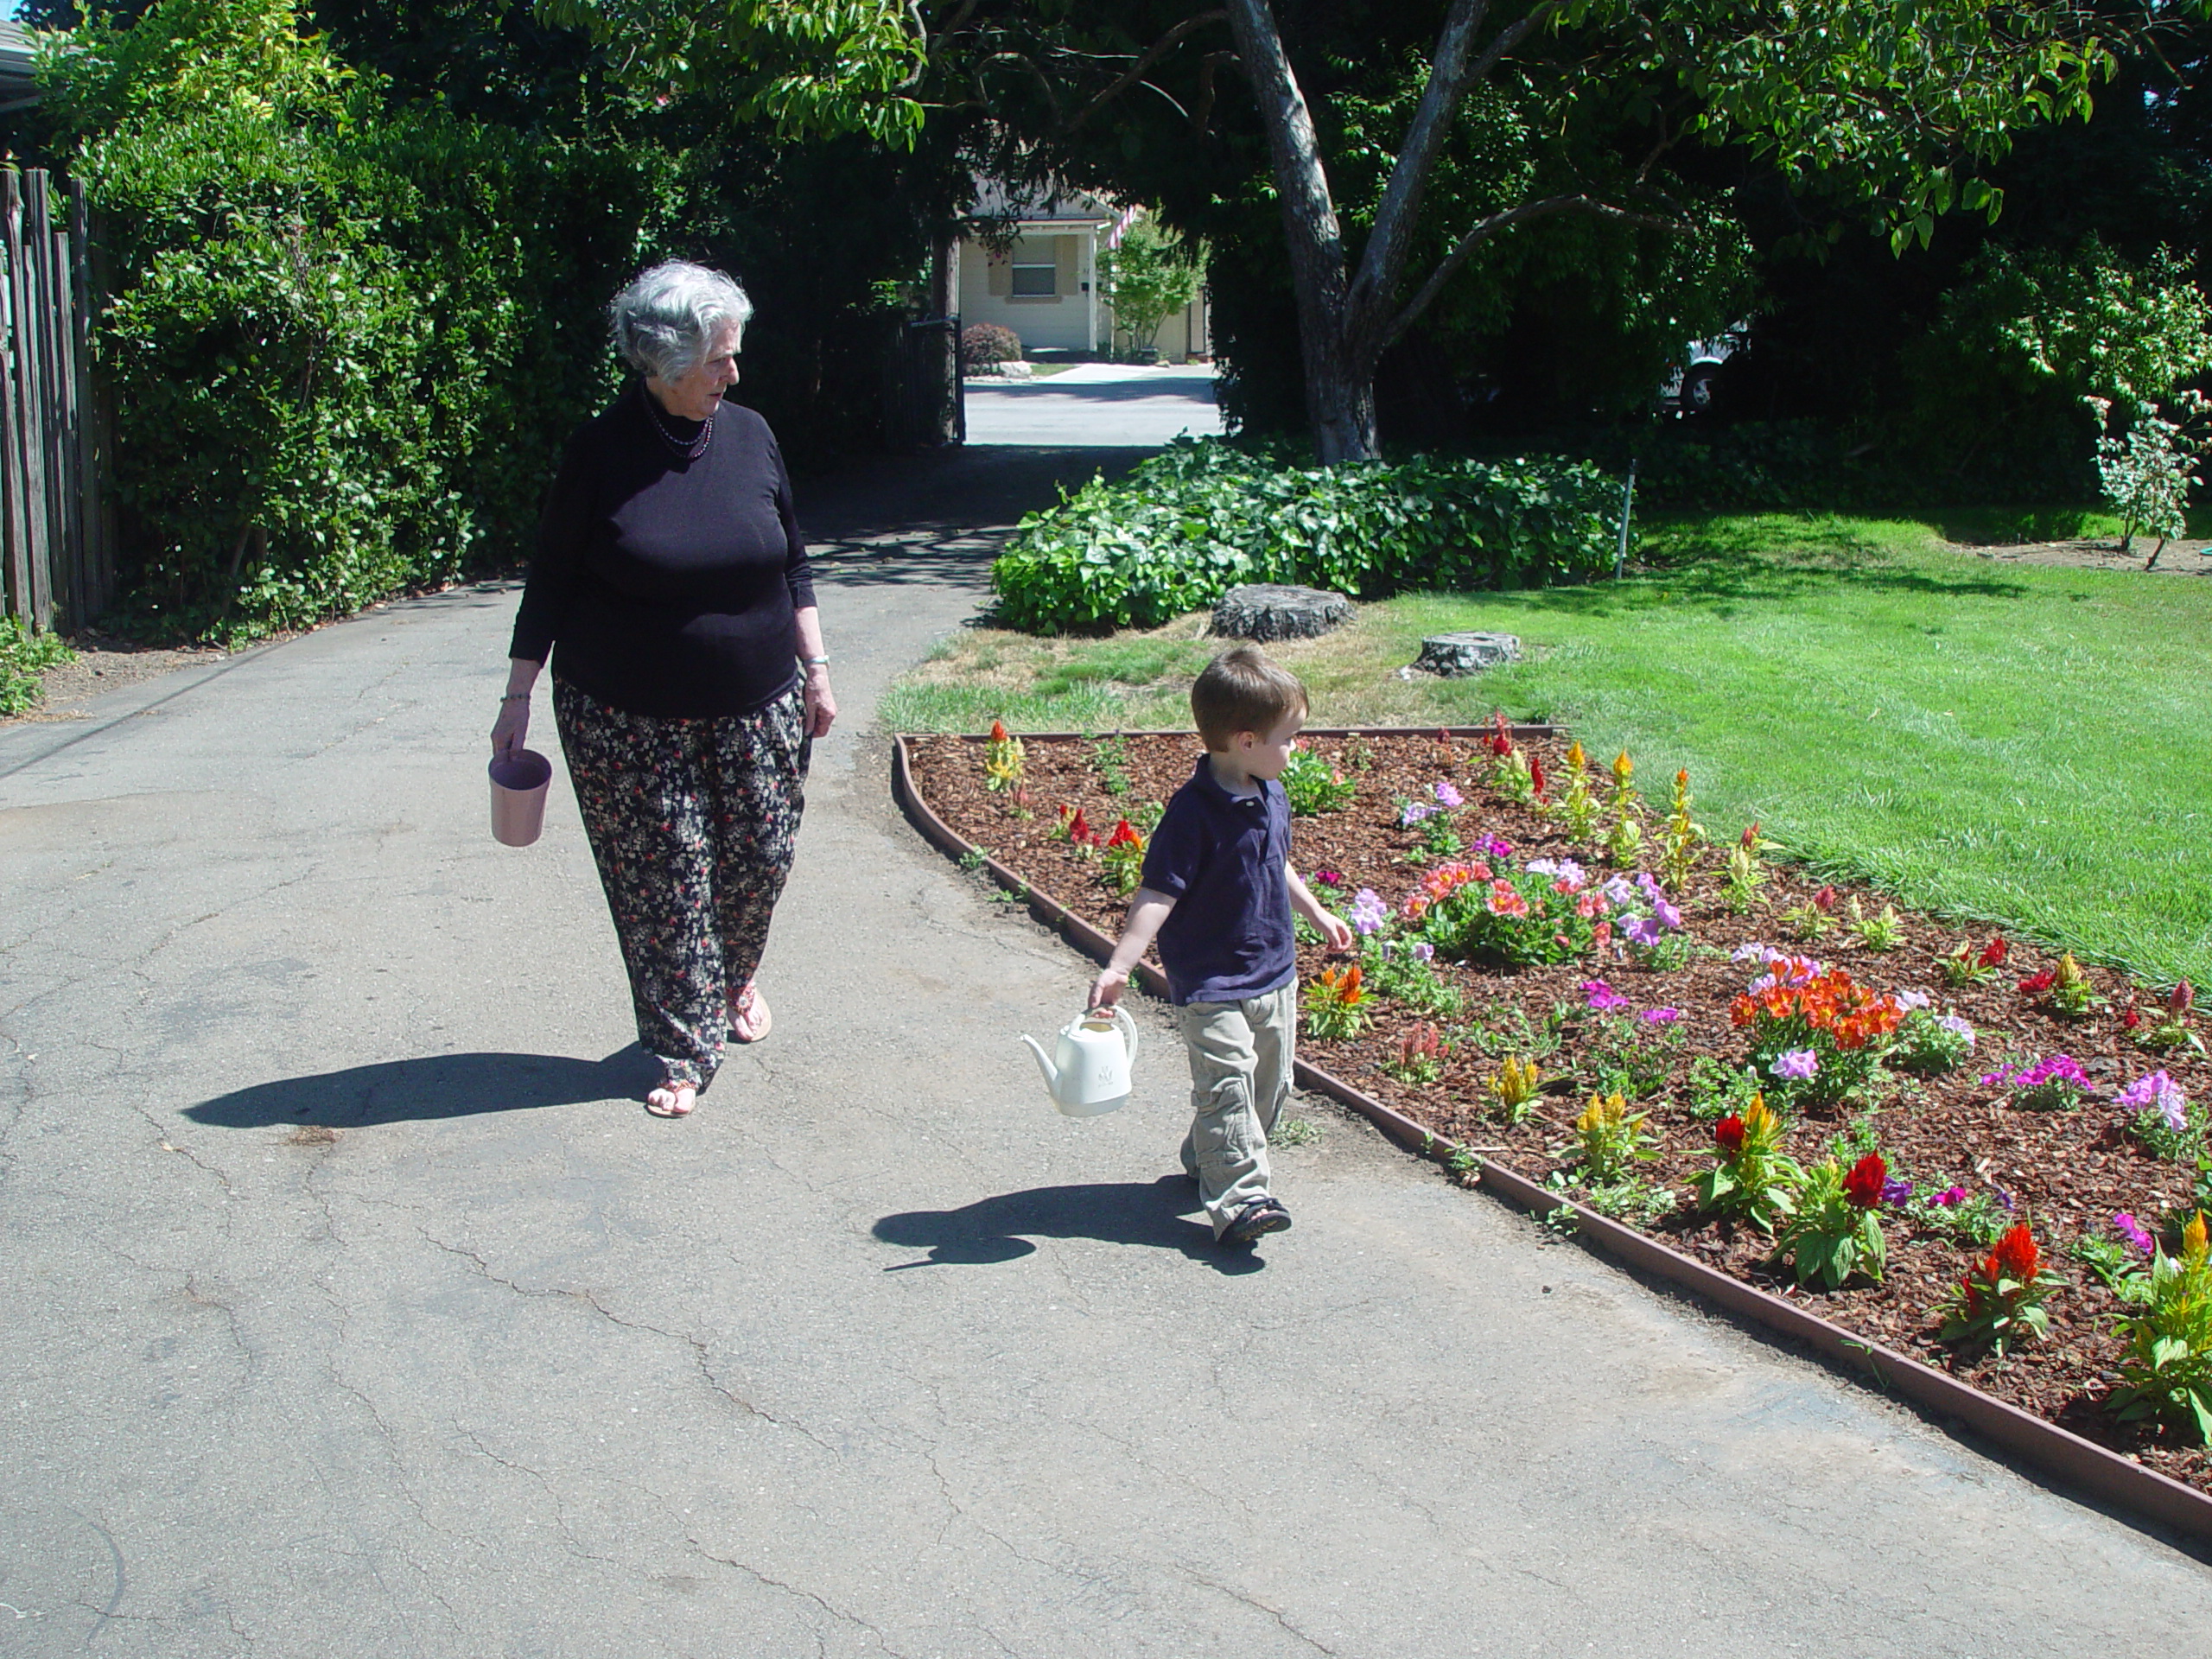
[(668, 583)]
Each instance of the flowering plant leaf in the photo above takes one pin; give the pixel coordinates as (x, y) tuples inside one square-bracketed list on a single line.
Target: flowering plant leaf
[(1751, 1179), (1834, 1233)]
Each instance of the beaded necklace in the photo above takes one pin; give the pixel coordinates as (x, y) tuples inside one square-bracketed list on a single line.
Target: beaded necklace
[(688, 448)]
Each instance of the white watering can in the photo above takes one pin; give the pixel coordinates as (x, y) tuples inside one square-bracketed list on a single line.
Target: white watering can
[(1088, 1070)]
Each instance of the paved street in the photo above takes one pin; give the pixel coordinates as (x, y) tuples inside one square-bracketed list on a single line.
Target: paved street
[(361, 1311), (1096, 404)]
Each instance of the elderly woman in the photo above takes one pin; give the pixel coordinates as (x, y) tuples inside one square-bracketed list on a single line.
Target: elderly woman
[(689, 676)]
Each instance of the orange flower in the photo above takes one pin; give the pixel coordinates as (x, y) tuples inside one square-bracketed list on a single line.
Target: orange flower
[(998, 731)]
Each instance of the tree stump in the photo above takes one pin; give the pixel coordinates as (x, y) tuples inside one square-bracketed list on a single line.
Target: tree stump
[(1267, 610), (1454, 656)]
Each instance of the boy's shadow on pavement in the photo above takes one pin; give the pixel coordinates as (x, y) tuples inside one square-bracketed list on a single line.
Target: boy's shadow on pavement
[(436, 1086), (1124, 1212)]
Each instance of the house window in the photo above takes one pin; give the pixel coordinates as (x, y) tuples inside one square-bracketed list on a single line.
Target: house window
[(1036, 269)]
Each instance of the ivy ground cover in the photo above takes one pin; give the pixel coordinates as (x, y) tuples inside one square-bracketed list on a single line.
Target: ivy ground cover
[(1948, 1139)]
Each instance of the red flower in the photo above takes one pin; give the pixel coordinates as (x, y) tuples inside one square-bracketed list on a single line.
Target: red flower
[(1824, 900), (1728, 1134), (1079, 830), (2129, 1019), (1750, 836), (998, 731), (1993, 953), (2182, 1000), (1536, 775), (2036, 984), (1863, 1186), (1501, 739), (1125, 835), (2015, 1257)]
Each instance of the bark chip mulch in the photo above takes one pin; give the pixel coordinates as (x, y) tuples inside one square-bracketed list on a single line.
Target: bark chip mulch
[(2066, 1172)]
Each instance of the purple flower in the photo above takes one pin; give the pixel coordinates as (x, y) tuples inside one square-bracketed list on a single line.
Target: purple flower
[(1620, 893), (1368, 912), (2003, 1197), (1494, 847), (1642, 931), (1910, 1000), (1413, 813), (1796, 1065), (1650, 884), (1896, 1191), (1957, 1027), (1330, 878), (2159, 1093), (1753, 952), (1420, 950), (2132, 1230), (1669, 917), (1602, 996), (1660, 1016), (1449, 798), (1950, 1197)]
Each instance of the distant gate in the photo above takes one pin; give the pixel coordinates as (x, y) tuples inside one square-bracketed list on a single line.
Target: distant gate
[(57, 535)]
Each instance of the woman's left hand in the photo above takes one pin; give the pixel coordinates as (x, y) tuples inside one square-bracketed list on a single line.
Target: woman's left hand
[(821, 702)]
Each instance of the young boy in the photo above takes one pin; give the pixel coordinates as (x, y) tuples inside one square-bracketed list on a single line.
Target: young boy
[(1217, 893)]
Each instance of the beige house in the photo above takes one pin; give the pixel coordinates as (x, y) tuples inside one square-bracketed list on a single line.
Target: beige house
[(1042, 283)]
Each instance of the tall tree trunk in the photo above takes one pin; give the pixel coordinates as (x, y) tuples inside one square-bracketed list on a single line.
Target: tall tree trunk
[(1339, 386)]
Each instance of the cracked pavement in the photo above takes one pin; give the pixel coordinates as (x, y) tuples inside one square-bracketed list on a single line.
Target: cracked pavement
[(361, 1310)]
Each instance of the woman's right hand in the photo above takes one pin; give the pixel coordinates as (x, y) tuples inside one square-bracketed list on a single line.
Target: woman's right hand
[(512, 726)]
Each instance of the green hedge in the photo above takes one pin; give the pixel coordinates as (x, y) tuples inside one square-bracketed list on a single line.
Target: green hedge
[(1202, 517), (347, 335)]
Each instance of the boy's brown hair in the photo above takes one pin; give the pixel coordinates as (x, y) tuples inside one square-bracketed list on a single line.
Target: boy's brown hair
[(1241, 690)]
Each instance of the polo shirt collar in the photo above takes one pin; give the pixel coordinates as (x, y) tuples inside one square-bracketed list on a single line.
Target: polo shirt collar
[(1212, 786)]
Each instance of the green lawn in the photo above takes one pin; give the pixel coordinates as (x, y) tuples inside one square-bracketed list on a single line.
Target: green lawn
[(2015, 743)]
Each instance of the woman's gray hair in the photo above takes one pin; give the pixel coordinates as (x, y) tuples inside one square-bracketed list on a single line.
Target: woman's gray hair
[(664, 320)]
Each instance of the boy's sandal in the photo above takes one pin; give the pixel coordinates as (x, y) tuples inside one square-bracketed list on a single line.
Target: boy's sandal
[(749, 1018), (1256, 1220), (672, 1099)]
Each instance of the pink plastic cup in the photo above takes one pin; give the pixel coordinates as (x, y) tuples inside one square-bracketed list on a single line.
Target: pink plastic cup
[(518, 784)]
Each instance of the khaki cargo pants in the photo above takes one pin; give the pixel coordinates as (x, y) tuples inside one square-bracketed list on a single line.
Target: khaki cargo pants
[(1240, 1056)]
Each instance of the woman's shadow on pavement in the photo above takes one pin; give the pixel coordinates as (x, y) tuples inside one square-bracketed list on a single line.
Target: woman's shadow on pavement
[(1116, 1212), (436, 1086)]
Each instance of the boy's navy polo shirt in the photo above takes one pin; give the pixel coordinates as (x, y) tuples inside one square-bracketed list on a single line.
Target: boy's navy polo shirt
[(1222, 860)]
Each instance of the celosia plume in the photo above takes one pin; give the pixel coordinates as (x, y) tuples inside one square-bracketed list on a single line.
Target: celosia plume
[(998, 731), (2183, 999), (1728, 1134), (1863, 1186), (2016, 1256)]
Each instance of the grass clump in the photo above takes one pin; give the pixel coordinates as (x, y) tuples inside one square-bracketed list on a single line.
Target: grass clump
[(22, 654)]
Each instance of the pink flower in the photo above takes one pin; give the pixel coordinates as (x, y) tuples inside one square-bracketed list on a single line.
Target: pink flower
[(1505, 901), (1602, 996)]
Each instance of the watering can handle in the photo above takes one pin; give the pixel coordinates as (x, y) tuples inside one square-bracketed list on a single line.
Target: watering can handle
[(1119, 1016)]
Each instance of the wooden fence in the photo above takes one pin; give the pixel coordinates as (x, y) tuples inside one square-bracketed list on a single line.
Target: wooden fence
[(57, 534)]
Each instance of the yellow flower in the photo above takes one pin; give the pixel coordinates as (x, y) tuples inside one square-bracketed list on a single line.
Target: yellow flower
[(1757, 1119), (1624, 768), (2193, 1248), (1575, 758)]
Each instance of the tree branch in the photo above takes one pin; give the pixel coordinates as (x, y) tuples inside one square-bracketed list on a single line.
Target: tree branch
[(1387, 243), (1152, 54), (1484, 229), (1382, 263), (1044, 81), (1207, 65)]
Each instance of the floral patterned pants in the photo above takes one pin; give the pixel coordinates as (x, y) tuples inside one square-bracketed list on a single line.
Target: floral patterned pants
[(692, 823)]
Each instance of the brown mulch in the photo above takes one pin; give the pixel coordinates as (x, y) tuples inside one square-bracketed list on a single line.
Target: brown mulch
[(2067, 1173)]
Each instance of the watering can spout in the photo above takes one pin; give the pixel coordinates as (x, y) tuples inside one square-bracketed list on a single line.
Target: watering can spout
[(1044, 1064)]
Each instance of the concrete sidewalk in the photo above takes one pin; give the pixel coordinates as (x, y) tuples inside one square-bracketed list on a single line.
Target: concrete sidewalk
[(362, 1311)]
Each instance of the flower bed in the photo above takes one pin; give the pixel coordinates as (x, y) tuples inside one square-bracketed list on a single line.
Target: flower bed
[(1974, 1154)]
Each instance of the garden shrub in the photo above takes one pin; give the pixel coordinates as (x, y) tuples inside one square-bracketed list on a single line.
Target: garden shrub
[(22, 654), (988, 342), (348, 336), (1204, 516)]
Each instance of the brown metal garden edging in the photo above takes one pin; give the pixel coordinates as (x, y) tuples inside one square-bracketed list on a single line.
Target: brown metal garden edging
[(2094, 1470)]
